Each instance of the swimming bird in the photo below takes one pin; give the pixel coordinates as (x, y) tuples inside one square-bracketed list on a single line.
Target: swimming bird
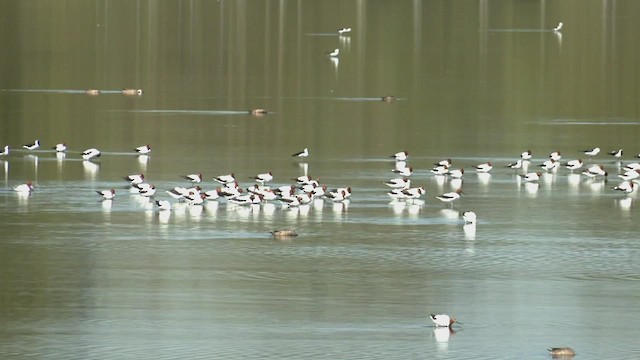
[(398, 183), (558, 28), (92, 92), (225, 179), (555, 156), (5, 151), (90, 153), (616, 153), (344, 31), (163, 204), (526, 155), (592, 152), (302, 154), (484, 167), (194, 178), (107, 194), (561, 352), (258, 112), (24, 188), (442, 320), (573, 164), (132, 91), (32, 146), (450, 196), (532, 176), (388, 98), (283, 233), (334, 53), (134, 179), (143, 150), (62, 147), (401, 156), (626, 186), (263, 178), (469, 217), (456, 173)]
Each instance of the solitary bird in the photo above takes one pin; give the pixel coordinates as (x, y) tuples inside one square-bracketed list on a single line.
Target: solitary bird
[(302, 154), (143, 150), (442, 320), (558, 28), (24, 188), (616, 153), (561, 352), (258, 112), (132, 91), (334, 53), (62, 147), (344, 31), (5, 151), (92, 92), (90, 153), (388, 98)]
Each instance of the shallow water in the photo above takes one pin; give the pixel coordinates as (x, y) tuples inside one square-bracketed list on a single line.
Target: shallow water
[(548, 264)]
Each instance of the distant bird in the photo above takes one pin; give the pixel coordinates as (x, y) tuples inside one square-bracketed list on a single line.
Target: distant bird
[(440, 170), (302, 154), (263, 178), (592, 152), (258, 112), (225, 179), (616, 153), (134, 179), (62, 147), (561, 352), (450, 196), (456, 173), (550, 165), (344, 31), (283, 233), (334, 53), (469, 217), (445, 162), (143, 150), (132, 91), (107, 194), (90, 154), (555, 156), (401, 156), (32, 146), (558, 28), (573, 164), (194, 178), (485, 167), (516, 165), (163, 204), (388, 98), (532, 176), (526, 155), (442, 320), (148, 191), (398, 183), (5, 151), (92, 92), (413, 193), (595, 170), (405, 171), (24, 188)]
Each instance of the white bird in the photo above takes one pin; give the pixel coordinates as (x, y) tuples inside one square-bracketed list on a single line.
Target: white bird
[(90, 153), (632, 166), (304, 179), (339, 196), (533, 176), (526, 155), (469, 217), (573, 164), (398, 183), (456, 173), (344, 31), (148, 191), (550, 165), (163, 204), (558, 28), (302, 154), (485, 167), (5, 151), (225, 179), (24, 188), (630, 175), (194, 178), (595, 170), (413, 193), (626, 186), (592, 152), (334, 53), (143, 150), (555, 156), (516, 165), (62, 147), (134, 179), (616, 153), (450, 196), (440, 170), (211, 194), (397, 194), (263, 178), (405, 171), (33, 146), (107, 194), (562, 352), (445, 162), (442, 320), (401, 156)]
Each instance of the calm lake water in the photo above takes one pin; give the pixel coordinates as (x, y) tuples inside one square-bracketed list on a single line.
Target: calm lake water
[(549, 264)]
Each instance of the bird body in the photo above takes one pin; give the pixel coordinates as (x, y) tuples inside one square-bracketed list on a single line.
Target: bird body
[(90, 154), (401, 156), (62, 147), (485, 167), (526, 155), (561, 352), (302, 154), (134, 179), (450, 196), (107, 194), (334, 53), (442, 320), (143, 150), (283, 233), (616, 153), (32, 146), (592, 152), (163, 204), (5, 151), (24, 188), (469, 217), (263, 178), (558, 27), (194, 178), (532, 176), (132, 91)]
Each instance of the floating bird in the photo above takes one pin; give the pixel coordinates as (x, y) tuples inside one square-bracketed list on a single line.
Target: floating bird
[(334, 53), (456, 173), (616, 153), (225, 179), (148, 191), (132, 91), (302, 154), (561, 352), (532, 176), (485, 167), (440, 170), (92, 92), (401, 156), (263, 178), (573, 164), (595, 170), (630, 175), (338, 196), (626, 186), (143, 150), (555, 156), (24, 188), (388, 98), (90, 153), (163, 204), (558, 28), (194, 178), (134, 179), (526, 155), (344, 31), (304, 179), (592, 152), (405, 171), (469, 217), (283, 233), (257, 112), (32, 146), (5, 151), (62, 147), (516, 165), (107, 194), (450, 196), (550, 165), (442, 320), (445, 163), (398, 183)]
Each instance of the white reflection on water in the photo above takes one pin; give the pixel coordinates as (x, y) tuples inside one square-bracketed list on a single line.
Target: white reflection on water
[(90, 169), (455, 184), (143, 161), (531, 189), (624, 204), (469, 231), (574, 183), (164, 216), (484, 180), (450, 214), (5, 165), (441, 335)]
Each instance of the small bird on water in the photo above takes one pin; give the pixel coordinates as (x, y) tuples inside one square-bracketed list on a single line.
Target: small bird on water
[(561, 352), (286, 233), (442, 320)]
